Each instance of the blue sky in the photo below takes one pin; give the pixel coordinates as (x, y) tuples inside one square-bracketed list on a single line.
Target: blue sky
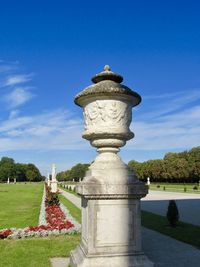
[(49, 50)]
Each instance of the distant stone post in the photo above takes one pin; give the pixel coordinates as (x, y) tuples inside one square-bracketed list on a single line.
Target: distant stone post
[(48, 180), (15, 180), (148, 181), (8, 181), (54, 186), (110, 192)]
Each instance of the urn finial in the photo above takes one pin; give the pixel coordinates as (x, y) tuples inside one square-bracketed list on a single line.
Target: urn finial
[(108, 75), (107, 68)]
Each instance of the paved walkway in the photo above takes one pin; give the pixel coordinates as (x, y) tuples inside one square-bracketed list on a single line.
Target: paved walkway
[(74, 199), (188, 205), (162, 250)]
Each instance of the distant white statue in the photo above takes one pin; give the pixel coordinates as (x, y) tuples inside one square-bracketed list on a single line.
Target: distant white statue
[(8, 181), (148, 181), (54, 186), (48, 179)]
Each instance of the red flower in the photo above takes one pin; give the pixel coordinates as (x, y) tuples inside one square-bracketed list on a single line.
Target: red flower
[(5, 233)]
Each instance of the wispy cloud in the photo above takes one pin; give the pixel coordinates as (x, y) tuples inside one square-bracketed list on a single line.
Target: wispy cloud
[(17, 97), (6, 67), (58, 129), (13, 114), (163, 104), (17, 79), (174, 123), (13, 91)]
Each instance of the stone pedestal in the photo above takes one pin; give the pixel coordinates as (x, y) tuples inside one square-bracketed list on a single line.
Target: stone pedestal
[(110, 192), (111, 226), (54, 186)]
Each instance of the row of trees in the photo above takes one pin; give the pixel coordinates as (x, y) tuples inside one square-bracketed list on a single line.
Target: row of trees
[(75, 173), (181, 167), (20, 172)]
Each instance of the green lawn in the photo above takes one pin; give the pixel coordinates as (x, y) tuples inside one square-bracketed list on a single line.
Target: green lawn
[(184, 232), (73, 210), (186, 188), (36, 252), (20, 204)]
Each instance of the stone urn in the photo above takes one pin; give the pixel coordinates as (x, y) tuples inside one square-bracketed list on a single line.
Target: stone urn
[(110, 192)]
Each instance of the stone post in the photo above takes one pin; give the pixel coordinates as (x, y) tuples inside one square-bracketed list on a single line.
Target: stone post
[(54, 186), (148, 181), (48, 180), (8, 181), (110, 192)]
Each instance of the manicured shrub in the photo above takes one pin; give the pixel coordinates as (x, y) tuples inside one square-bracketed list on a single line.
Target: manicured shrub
[(158, 186), (164, 188), (195, 187), (172, 213), (185, 189)]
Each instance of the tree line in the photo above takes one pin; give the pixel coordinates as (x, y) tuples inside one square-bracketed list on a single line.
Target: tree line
[(75, 173), (183, 167), (19, 171)]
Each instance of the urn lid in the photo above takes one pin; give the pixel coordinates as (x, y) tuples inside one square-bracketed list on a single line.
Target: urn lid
[(107, 83)]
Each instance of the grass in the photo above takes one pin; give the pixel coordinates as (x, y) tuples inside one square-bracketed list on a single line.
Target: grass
[(20, 204), (74, 211), (175, 187), (36, 252), (184, 232)]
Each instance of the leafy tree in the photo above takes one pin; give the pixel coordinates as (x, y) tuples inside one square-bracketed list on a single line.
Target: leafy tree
[(174, 167), (18, 171), (7, 168), (75, 173), (32, 173)]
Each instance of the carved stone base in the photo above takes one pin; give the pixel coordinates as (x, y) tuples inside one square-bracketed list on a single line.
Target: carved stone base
[(78, 258)]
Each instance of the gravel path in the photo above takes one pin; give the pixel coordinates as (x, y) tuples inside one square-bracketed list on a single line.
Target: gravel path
[(162, 250), (188, 205), (72, 198)]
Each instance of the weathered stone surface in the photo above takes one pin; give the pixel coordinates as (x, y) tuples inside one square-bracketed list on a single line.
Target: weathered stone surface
[(110, 192)]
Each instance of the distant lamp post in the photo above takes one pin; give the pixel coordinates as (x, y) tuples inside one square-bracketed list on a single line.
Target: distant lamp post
[(110, 192), (54, 186)]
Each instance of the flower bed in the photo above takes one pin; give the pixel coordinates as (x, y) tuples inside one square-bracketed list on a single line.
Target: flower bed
[(53, 216)]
